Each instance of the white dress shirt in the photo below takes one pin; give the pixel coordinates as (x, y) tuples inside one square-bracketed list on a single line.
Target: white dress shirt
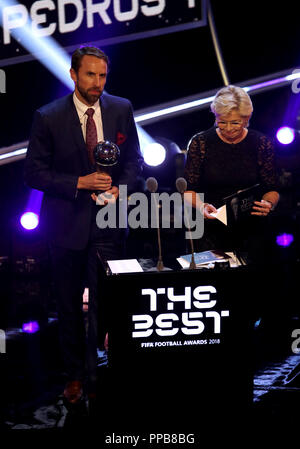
[(81, 111)]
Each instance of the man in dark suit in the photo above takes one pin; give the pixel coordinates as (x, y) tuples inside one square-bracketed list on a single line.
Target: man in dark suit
[(60, 163)]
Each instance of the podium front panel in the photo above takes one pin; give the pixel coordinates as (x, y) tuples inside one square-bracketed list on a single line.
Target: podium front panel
[(181, 338)]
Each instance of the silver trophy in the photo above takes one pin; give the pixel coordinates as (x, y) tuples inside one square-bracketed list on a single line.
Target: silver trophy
[(106, 155)]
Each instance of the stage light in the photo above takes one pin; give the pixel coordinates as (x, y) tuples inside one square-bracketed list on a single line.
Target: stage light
[(161, 161), (284, 239), (44, 48), (171, 110), (12, 155), (285, 135), (30, 218), (154, 154), (257, 323), (201, 100), (31, 327), (29, 221)]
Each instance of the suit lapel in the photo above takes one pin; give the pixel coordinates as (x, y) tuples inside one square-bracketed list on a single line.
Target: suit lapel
[(76, 132)]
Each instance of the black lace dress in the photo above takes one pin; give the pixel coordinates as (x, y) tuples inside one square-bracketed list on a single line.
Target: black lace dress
[(219, 169)]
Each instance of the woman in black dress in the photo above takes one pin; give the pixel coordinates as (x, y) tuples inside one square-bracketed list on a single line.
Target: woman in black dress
[(224, 159)]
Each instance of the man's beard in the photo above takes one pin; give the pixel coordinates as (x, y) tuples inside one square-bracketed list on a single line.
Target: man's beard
[(90, 98)]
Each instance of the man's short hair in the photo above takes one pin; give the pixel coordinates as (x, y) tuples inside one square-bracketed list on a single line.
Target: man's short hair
[(80, 52)]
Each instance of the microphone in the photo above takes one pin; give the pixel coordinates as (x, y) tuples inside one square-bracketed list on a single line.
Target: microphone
[(152, 186), (181, 186)]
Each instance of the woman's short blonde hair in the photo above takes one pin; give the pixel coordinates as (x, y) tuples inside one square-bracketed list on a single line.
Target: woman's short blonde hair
[(232, 98)]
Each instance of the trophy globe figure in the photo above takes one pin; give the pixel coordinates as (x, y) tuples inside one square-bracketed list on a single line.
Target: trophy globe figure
[(106, 155)]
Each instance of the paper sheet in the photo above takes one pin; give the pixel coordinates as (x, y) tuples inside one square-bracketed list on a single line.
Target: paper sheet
[(233, 262), (221, 214), (124, 266)]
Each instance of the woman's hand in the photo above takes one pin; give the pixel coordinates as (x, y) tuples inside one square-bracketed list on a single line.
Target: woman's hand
[(209, 209), (261, 208)]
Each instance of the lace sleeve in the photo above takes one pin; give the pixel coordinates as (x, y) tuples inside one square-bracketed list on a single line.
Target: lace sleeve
[(195, 156), (266, 162)]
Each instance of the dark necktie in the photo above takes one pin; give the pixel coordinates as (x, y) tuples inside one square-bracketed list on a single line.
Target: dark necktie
[(91, 134)]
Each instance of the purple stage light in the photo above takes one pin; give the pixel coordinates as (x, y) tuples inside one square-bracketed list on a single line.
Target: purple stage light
[(284, 239), (285, 135), (31, 327), (29, 220)]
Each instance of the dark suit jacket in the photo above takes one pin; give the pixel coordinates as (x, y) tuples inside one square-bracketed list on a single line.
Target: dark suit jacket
[(57, 156)]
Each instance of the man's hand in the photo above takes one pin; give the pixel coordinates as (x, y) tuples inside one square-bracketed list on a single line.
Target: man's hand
[(110, 196), (95, 181)]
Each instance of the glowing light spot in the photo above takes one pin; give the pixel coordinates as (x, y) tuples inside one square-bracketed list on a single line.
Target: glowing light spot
[(285, 135), (29, 221)]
